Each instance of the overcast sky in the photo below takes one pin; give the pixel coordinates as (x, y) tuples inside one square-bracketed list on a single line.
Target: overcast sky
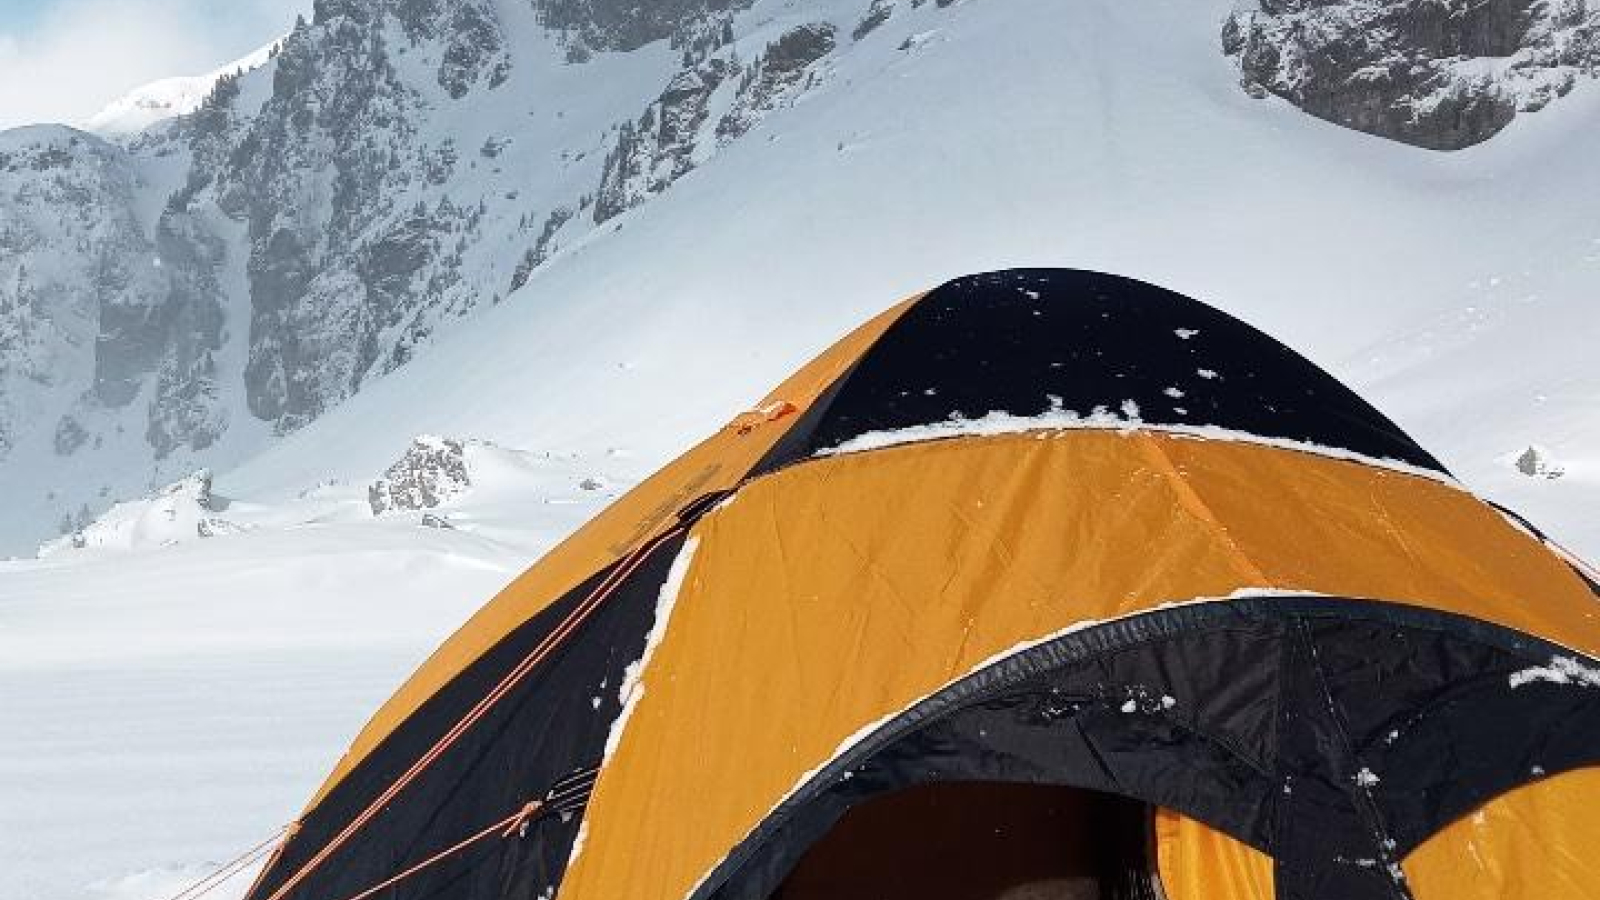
[(61, 60)]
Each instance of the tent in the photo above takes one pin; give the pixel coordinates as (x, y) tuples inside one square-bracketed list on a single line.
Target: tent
[(1042, 584)]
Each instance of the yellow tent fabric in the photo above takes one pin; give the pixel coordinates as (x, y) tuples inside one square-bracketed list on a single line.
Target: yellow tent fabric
[(1196, 862), (919, 514), (1533, 843), (858, 585)]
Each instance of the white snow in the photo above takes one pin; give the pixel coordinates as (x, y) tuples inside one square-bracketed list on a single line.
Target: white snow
[(631, 690), (1562, 670), (170, 881), (1057, 421), (632, 687), (184, 699), (179, 512), (992, 423), (161, 100)]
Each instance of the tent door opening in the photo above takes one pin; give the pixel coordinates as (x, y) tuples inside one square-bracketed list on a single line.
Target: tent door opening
[(978, 840)]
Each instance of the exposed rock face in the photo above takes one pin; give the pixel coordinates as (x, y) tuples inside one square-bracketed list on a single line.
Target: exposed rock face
[(1441, 74), (92, 309), (674, 133), (186, 292), (778, 74), (659, 148), (432, 471), (186, 407), (877, 14), (72, 256), (602, 25), (542, 248), (1536, 461), (69, 436), (330, 264)]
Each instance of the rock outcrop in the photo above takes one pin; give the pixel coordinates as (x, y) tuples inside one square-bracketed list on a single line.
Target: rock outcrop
[(432, 471), (1440, 74)]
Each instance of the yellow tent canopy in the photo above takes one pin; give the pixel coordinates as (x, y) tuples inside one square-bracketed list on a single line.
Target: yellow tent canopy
[(1043, 584)]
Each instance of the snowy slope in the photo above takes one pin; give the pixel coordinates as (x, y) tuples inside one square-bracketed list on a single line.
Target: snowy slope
[(391, 168), (179, 693), (161, 100), (188, 698), (1347, 247), (389, 171)]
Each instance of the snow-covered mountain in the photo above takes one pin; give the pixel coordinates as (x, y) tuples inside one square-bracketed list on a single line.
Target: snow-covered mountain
[(322, 209), (569, 237), (330, 204), (178, 96)]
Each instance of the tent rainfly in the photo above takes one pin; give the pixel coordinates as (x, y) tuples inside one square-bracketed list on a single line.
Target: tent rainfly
[(1042, 584)]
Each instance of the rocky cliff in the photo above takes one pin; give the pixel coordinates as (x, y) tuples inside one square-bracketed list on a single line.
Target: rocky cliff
[(175, 297), (1441, 74)]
